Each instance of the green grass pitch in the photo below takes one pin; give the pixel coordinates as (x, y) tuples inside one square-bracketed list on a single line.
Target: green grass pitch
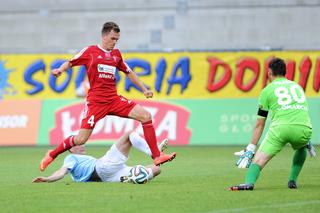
[(194, 182)]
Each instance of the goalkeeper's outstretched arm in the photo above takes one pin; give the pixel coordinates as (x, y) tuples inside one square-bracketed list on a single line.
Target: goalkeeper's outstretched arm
[(246, 155), (257, 131)]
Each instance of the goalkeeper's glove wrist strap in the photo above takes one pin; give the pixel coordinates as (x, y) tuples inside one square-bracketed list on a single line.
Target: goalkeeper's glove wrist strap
[(251, 147)]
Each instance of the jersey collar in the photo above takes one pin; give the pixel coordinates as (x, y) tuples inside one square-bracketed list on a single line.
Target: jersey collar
[(280, 79), (106, 51)]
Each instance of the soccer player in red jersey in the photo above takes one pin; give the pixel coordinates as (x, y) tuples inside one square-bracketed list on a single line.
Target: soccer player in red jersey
[(101, 62)]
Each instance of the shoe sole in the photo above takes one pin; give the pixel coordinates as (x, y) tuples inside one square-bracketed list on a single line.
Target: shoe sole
[(233, 189), (42, 168), (236, 188), (41, 165), (170, 159)]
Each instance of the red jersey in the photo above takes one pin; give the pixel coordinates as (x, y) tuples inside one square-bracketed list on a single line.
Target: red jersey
[(101, 66)]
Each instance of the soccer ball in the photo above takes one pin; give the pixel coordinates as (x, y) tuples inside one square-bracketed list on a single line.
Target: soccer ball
[(139, 174)]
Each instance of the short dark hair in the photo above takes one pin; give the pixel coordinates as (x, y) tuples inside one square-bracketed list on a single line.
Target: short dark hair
[(110, 26), (278, 67)]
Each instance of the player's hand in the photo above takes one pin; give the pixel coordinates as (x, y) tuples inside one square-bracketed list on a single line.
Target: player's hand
[(311, 150), (148, 93), (40, 180), (126, 179), (56, 72), (239, 153), (245, 156)]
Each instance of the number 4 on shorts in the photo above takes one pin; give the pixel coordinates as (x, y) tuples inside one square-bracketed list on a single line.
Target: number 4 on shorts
[(91, 120)]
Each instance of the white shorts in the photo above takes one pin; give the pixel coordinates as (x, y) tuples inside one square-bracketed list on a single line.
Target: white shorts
[(112, 165)]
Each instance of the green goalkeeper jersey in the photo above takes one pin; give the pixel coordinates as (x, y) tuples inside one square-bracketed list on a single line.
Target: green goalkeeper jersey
[(287, 103)]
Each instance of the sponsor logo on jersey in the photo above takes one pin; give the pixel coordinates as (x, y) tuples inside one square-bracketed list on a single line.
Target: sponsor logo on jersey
[(100, 57), (103, 75), (106, 69)]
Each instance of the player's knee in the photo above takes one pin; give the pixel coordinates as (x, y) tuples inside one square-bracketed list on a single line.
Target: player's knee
[(80, 140), (260, 162), (125, 139), (146, 116), (127, 134), (261, 159)]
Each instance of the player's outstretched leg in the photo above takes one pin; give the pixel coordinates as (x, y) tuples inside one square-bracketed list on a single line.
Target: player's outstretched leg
[(52, 154), (140, 114), (158, 157)]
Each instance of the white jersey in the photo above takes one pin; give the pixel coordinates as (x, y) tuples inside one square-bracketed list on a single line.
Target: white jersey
[(112, 166), (80, 166)]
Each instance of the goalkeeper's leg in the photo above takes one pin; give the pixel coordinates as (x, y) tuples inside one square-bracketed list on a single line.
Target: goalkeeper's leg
[(297, 164), (253, 174), (259, 161)]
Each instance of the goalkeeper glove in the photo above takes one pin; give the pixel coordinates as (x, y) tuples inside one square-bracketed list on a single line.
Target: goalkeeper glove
[(239, 153), (311, 149), (246, 156)]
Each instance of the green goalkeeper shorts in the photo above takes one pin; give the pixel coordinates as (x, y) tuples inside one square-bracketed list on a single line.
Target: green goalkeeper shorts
[(278, 136)]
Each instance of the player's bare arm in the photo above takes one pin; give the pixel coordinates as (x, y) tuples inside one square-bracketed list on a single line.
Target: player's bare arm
[(248, 153), (64, 67), (135, 79), (57, 175), (257, 131)]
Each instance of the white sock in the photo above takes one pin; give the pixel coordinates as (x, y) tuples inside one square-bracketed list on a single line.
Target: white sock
[(139, 143)]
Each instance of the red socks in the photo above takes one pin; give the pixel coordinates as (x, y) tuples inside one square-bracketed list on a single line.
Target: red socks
[(150, 136), (62, 147)]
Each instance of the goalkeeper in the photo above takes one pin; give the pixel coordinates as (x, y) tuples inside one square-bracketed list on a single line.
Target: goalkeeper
[(287, 103)]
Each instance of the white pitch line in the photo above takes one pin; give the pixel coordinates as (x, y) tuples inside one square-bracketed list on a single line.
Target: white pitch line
[(268, 206)]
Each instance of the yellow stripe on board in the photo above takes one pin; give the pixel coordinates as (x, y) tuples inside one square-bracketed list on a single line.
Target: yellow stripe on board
[(178, 75)]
